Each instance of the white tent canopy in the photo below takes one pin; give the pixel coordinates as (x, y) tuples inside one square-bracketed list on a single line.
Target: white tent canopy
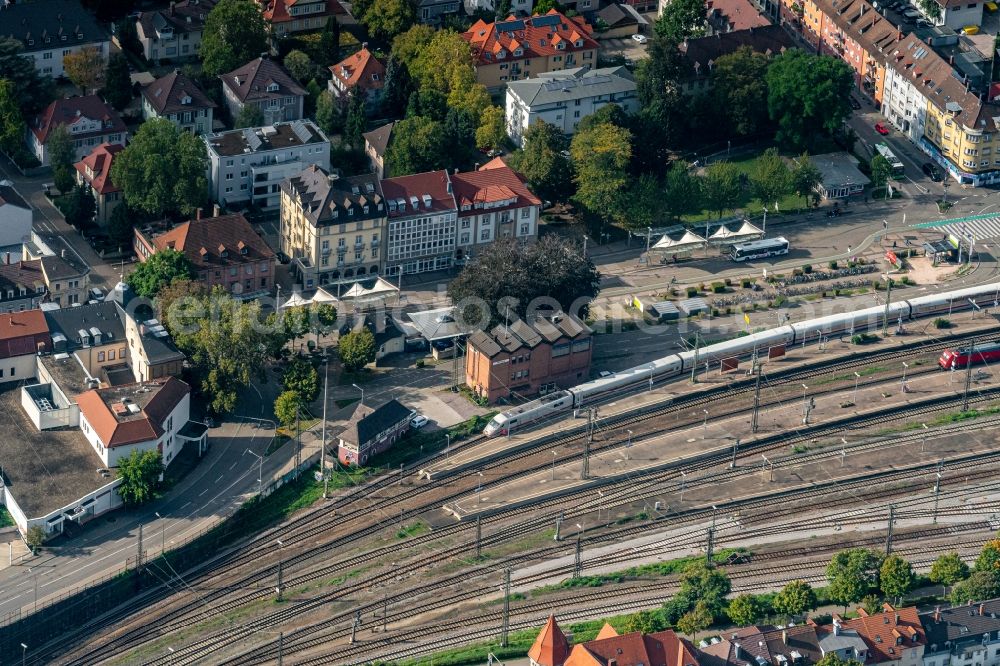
[(322, 296), (380, 290), (724, 235), (296, 300), (689, 241)]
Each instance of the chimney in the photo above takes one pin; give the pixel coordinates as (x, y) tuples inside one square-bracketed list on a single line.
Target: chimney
[(982, 608), (897, 618), (172, 8), (197, 213), (216, 210), (62, 253), (951, 60), (937, 613), (784, 636), (737, 651)]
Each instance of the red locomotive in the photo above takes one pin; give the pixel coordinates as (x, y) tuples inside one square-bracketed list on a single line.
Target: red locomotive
[(987, 353)]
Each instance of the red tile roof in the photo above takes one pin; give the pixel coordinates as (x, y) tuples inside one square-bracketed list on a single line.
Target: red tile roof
[(537, 36), (889, 632), (491, 185), (279, 11), (551, 647), (735, 14), (361, 69), (22, 332), (66, 111), (96, 167), (432, 183), (204, 241), (120, 430), (664, 648)]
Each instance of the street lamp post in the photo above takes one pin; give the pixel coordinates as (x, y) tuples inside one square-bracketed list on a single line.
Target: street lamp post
[(628, 444), (805, 390), (924, 439), (362, 393), (553, 466), (857, 378), (479, 490), (163, 529), (24, 653), (260, 470), (326, 399), (704, 425), (888, 302), (902, 382)]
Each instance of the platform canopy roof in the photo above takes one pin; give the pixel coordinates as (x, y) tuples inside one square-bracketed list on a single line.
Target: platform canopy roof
[(689, 241)]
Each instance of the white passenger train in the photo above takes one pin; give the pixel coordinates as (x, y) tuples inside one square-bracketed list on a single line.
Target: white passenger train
[(798, 333)]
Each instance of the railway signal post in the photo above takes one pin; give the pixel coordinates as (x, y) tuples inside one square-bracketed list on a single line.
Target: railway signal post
[(968, 374), (505, 628)]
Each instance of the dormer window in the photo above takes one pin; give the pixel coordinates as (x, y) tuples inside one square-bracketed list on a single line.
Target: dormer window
[(244, 251), (518, 53), (366, 210), (578, 43), (374, 77), (561, 46), (31, 42), (272, 87), (502, 54)]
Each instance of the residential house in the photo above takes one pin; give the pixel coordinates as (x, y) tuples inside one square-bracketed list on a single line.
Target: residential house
[(493, 202), (517, 7), (15, 216), (175, 97), (733, 15), (564, 98), (173, 33), (551, 350), (663, 648), (373, 431), (966, 635), (519, 48), (701, 54), (434, 12), (620, 20), (66, 278), (22, 285), (854, 31), (332, 229), (361, 69), (841, 177), (268, 86), (22, 336), (89, 120), (955, 14), (140, 417), (422, 223), (791, 645), (550, 647), (247, 166), (224, 250), (893, 635), (94, 173), (376, 144), (290, 16), (50, 31)]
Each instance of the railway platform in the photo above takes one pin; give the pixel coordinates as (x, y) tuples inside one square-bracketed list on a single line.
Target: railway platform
[(623, 456), (484, 451)]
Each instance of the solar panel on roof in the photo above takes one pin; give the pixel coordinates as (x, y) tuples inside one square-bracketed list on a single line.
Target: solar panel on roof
[(252, 139), (544, 21), (510, 26), (301, 131)]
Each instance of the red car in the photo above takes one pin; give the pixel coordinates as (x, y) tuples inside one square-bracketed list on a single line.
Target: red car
[(881, 129)]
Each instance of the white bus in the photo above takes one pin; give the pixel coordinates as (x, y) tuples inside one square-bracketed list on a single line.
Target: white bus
[(759, 249), (890, 157)]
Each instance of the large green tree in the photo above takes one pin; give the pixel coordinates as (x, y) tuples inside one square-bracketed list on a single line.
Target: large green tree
[(794, 598), (357, 122), (601, 154), (806, 178), (896, 576), (663, 109), (85, 68), (807, 95), (329, 42), (34, 91), (62, 155), (739, 85), (12, 126), (642, 207), (117, 82), (989, 556), (492, 131), (140, 474), (978, 586), (508, 273), (948, 569), (234, 34), (834, 659), (162, 171), (300, 65), (328, 115), (158, 271), (746, 609), (543, 163), (249, 116), (300, 376), (418, 144), (396, 89), (287, 407), (682, 191), (79, 207), (705, 585), (881, 170), (442, 61), (722, 186), (698, 618), (357, 349), (681, 19), (852, 573), (387, 18), (770, 178)]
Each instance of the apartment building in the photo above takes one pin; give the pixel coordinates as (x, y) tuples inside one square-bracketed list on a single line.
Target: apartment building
[(175, 97), (94, 172), (15, 216), (247, 166), (88, 119), (552, 350), (702, 52), (967, 635), (332, 228), (421, 223), (51, 31), (516, 49), (266, 85), (224, 250), (173, 33), (564, 98), (290, 16), (493, 202)]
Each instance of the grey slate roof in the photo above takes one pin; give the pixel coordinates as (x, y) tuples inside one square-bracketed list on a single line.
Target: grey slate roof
[(168, 93), (367, 423), (106, 316), (10, 197), (572, 84), (323, 194), (41, 26), (379, 137), (961, 625)]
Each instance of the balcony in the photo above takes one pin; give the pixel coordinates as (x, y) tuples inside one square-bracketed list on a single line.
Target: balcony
[(358, 247)]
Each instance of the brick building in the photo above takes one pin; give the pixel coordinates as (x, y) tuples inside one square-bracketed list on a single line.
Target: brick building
[(373, 431), (553, 350)]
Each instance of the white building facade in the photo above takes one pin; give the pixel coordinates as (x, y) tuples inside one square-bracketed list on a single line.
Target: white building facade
[(903, 103)]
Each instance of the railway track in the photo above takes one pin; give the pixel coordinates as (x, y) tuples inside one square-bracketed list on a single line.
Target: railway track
[(311, 524)]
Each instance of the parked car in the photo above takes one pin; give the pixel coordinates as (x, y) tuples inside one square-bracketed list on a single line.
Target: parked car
[(932, 171), (641, 39), (854, 103), (418, 421), (881, 129)]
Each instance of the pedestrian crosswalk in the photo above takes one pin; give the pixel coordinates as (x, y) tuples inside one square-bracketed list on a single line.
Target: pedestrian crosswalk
[(975, 229)]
